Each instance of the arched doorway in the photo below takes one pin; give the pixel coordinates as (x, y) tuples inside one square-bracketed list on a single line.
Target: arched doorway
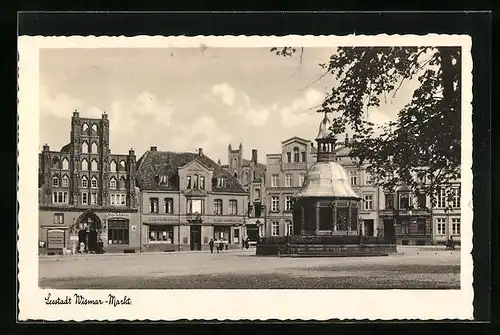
[(89, 228)]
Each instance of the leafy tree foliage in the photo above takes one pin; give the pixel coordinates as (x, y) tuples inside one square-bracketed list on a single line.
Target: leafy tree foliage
[(421, 148)]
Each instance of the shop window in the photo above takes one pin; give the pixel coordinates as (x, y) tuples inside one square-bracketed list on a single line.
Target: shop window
[(118, 232), (161, 234)]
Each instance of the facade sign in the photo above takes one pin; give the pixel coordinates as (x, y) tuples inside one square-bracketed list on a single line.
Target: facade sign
[(117, 215), (55, 239)]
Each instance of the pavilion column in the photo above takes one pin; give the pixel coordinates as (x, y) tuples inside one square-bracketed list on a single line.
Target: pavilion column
[(349, 216), (334, 211), (317, 217), (302, 219)]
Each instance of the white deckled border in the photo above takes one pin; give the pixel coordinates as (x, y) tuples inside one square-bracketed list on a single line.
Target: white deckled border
[(238, 304)]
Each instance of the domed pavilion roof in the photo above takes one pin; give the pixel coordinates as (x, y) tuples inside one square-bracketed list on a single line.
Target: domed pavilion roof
[(327, 180)]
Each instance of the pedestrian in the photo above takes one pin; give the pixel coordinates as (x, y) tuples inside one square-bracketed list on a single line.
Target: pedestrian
[(227, 246), (221, 246), (211, 245), (246, 243), (243, 243)]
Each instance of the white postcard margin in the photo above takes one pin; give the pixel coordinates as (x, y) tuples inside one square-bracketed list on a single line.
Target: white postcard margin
[(238, 304)]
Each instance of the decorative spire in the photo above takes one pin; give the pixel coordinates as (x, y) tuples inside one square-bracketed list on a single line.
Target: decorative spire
[(325, 140)]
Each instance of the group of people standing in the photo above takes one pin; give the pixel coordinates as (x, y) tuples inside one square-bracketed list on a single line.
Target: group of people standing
[(221, 245)]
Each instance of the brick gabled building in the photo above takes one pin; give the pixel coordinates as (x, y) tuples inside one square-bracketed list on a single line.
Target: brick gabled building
[(87, 194)]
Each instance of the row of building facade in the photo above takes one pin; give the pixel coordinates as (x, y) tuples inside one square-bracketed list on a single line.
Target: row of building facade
[(167, 201)]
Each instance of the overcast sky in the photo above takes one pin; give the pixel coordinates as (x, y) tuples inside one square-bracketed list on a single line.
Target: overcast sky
[(183, 99)]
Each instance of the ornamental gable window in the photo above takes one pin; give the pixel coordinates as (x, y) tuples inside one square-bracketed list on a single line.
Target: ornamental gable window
[(55, 181), (112, 183), (85, 165), (94, 165), (85, 147), (94, 147), (112, 166), (65, 164), (85, 182), (65, 181), (93, 182)]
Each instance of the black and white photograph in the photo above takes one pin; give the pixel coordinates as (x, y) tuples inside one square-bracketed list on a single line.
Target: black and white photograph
[(318, 164)]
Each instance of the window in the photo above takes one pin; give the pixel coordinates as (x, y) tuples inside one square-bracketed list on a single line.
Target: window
[(303, 154), (195, 181), (85, 182), (222, 233), (220, 182), (289, 157), (296, 155), (94, 165), (161, 234), (85, 127), (275, 229), (440, 226), (65, 181), (404, 201), (85, 165), (195, 206), (93, 198), (455, 226), (275, 204), (58, 218), (112, 166), (94, 147), (288, 203), (112, 199), (153, 205), (245, 177), (117, 231), (112, 183), (289, 228), (85, 198), (60, 197), (94, 127), (354, 177), (274, 180), (202, 182), (233, 207), (422, 200), (188, 181), (65, 164), (455, 202), (257, 194), (55, 181), (218, 207), (122, 183), (123, 199), (254, 175), (301, 179), (85, 147), (163, 180), (441, 198), (93, 182), (404, 227), (118, 199), (236, 236), (369, 178), (288, 180), (122, 164), (56, 163), (389, 201), (368, 203), (169, 205)]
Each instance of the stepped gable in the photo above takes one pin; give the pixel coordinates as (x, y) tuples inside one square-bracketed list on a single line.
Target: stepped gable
[(156, 163)]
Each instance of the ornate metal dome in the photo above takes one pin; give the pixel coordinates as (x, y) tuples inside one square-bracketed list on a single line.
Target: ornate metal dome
[(327, 179)]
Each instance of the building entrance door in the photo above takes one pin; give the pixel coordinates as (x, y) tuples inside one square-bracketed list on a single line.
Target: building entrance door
[(368, 227), (88, 227), (195, 237), (389, 232)]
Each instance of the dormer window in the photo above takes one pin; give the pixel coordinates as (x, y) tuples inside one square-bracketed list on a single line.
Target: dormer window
[(296, 155), (163, 180), (220, 182)]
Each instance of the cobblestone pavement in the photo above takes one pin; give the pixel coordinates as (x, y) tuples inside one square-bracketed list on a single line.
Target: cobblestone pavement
[(412, 267)]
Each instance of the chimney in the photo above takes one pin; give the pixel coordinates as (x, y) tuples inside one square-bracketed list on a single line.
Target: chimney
[(346, 141), (131, 152), (76, 114), (254, 156), (46, 147), (153, 148), (200, 151)]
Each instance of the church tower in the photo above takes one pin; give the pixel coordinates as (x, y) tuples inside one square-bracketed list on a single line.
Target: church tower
[(235, 161)]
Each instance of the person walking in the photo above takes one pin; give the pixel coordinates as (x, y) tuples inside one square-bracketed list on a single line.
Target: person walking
[(211, 245)]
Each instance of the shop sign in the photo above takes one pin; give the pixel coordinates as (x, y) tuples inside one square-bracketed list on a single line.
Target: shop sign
[(161, 220), (55, 239), (227, 220)]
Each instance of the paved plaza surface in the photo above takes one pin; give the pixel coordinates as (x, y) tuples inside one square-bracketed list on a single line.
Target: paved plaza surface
[(410, 268)]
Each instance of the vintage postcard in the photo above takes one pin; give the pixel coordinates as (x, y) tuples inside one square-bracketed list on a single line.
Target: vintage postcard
[(245, 178)]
